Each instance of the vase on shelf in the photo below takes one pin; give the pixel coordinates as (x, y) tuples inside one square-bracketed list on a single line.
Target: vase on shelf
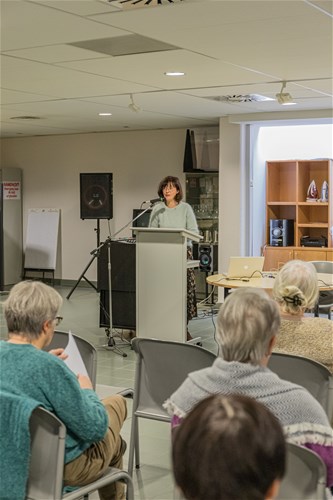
[(312, 193), (324, 192)]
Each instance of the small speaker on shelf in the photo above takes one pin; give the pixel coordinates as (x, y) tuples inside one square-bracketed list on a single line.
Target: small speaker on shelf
[(281, 232), (207, 256), (96, 198)]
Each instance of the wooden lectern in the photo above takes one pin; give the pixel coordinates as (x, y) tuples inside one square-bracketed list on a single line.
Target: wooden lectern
[(161, 265)]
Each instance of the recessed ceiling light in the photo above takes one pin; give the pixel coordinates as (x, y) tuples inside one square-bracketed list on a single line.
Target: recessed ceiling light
[(174, 73), (104, 114)]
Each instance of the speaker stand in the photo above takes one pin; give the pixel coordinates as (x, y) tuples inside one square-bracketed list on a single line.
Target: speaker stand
[(94, 254)]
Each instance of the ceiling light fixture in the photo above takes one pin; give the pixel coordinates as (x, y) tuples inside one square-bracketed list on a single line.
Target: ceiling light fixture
[(104, 114), (174, 73), (284, 98), (132, 106)]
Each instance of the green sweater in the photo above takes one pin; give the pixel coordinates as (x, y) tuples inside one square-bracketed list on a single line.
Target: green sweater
[(180, 216), (29, 372)]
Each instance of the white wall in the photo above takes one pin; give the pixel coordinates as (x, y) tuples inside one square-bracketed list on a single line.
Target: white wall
[(230, 224), (51, 166)]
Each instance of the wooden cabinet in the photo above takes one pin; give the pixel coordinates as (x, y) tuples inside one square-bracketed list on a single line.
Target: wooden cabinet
[(275, 257), (287, 183)]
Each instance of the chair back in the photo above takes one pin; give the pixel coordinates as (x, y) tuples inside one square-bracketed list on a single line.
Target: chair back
[(161, 368), (87, 351), (312, 375), (323, 266), (305, 477), (325, 301), (47, 435)]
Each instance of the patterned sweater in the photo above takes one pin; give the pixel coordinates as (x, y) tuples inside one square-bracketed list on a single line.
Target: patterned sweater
[(302, 417), (180, 216), (310, 337)]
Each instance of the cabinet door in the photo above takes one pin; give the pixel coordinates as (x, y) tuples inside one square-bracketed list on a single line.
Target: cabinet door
[(329, 255), (275, 257), (307, 254)]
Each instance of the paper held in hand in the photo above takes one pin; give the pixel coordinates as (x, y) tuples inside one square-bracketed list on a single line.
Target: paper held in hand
[(74, 360)]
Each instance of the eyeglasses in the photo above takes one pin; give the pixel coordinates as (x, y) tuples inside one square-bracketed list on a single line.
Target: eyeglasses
[(58, 320)]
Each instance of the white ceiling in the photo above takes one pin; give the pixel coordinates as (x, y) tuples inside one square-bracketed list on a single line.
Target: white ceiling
[(225, 47)]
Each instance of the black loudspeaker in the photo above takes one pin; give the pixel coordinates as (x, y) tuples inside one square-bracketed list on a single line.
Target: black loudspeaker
[(96, 196), (207, 256), (281, 232), (123, 285)]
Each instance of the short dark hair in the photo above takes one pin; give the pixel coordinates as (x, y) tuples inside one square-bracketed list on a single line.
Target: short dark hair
[(228, 448), (170, 179)]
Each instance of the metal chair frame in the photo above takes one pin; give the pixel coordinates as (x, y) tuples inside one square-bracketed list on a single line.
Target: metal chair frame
[(305, 477), (48, 435), (161, 367)]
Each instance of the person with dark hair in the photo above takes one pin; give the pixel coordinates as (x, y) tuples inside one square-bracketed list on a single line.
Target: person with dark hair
[(31, 377), (229, 448), (172, 212), (247, 324), (296, 290)]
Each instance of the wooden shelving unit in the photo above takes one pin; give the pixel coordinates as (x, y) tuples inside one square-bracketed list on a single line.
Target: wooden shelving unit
[(287, 183)]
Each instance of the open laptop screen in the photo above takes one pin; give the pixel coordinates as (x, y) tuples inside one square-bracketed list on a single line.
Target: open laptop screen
[(245, 267)]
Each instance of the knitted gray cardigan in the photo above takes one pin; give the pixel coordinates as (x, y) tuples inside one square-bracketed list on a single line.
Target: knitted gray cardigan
[(302, 417)]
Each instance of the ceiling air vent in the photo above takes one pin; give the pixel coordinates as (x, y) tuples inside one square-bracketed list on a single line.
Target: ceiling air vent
[(132, 4), (238, 98), (25, 117)]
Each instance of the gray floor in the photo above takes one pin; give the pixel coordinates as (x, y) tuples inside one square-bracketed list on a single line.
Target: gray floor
[(153, 481)]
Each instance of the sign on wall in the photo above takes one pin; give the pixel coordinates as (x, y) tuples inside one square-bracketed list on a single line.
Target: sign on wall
[(11, 190)]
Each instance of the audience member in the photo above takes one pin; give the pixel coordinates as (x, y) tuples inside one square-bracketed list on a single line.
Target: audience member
[(247, 324), (32, 377), (296, 290), (229, 448)]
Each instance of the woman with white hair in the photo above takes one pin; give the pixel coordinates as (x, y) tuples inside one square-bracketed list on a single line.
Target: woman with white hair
[(247, 324), (296, 290)]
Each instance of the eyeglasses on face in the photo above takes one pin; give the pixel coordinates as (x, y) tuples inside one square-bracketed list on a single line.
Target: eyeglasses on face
[(58, 320)]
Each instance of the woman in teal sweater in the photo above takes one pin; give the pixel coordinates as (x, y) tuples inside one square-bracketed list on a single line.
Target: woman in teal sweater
[(93, 440)]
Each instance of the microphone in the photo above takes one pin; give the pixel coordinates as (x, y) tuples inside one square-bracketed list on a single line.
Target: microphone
[(153, 201)]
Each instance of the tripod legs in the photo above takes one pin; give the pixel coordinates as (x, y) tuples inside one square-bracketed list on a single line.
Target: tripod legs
[(82, 276), (111, 344)]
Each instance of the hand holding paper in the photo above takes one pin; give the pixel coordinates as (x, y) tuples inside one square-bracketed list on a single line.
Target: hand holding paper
[(74, 360)]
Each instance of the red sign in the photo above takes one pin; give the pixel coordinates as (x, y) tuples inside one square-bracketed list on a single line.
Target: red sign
[(11, 190)]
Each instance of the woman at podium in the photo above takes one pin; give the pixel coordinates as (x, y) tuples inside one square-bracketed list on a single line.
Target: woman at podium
[(172, 212)]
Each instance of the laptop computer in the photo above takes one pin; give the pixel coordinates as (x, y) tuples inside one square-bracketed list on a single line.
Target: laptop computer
[(245, 267)]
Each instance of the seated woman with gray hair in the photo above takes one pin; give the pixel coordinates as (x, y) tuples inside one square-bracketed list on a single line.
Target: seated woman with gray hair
[(296, 290), (229, 448), (247, 325), (31, 377)]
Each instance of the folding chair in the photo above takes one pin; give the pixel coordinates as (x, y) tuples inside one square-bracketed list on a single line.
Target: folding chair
[(48, 435), (325, 301), (87, 351), (314, 376), (305, 477), (161, 367), (89, 356)]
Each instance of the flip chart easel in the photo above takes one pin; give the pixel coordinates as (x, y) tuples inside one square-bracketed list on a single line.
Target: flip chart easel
[(42, 241)]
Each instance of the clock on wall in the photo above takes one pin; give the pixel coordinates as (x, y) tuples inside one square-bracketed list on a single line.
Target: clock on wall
[(96, 196)]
